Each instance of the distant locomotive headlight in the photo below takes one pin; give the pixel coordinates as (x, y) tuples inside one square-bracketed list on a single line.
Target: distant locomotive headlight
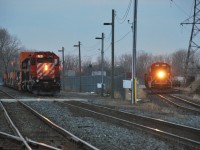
[(161, 74), (46, 67)]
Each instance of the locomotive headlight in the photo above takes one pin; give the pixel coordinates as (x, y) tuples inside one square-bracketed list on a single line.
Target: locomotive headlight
[(45, 67), (161, 74)]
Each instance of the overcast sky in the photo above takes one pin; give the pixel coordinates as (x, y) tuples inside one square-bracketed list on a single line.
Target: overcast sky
[(48, 25)]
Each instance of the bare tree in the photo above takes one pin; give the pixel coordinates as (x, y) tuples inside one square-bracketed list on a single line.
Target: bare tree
[(107, 65), (144, 60), (72, 62), (125, 61), (178, 62), (9, 47), (162, 58), (87, 67), (197, 61)]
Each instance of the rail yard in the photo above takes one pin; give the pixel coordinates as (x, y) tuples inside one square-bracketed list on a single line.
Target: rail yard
[(102, 123), (122, 93)]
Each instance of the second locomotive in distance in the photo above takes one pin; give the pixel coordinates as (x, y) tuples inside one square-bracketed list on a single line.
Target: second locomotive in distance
[(159, 76)]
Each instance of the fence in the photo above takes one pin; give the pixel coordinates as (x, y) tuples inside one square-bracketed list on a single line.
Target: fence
[(89, 84)]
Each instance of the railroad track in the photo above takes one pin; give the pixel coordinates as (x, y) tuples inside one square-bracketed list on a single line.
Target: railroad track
[(29, 129), (7, 135), (181, 103), (179, 133)]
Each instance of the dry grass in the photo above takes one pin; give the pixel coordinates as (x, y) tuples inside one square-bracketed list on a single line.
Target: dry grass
[(149, 107), (196, 97), (142, 94)]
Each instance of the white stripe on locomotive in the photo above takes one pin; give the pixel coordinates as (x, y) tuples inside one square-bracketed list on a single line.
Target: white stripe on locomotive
[(40, 70)]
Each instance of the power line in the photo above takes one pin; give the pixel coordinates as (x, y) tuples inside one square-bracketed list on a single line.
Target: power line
[(72, 51), (91, 55), (180, 8), (92, 46), (121, 20), (107, 47), (89, 50), (109, 37), (123, 37)]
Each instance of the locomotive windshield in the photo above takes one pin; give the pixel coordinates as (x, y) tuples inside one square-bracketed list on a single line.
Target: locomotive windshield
[(44, 60)]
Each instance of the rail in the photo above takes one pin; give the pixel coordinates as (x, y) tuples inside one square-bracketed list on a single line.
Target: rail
[(163, 128), (59, 129), (179, 106)]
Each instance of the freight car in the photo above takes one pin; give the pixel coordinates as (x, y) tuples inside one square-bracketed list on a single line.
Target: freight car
[(158, 76), (39, 72)]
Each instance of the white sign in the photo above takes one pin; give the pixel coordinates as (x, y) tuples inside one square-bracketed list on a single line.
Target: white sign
[(127, 84), (98, 73), (99, 85)]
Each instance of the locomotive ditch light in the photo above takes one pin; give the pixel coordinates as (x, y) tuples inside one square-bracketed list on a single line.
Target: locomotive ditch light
[(161, 74)]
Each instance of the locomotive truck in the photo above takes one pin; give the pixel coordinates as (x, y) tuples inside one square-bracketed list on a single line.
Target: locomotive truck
[(38, 72)]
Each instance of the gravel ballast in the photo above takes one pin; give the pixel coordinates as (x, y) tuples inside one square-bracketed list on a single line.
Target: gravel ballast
[(100, 134), (105, 135)]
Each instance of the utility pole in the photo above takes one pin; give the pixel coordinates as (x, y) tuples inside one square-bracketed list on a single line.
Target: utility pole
[(79, 47), (134, 27), (112, 53), (193, 43), (102, 61), (63, 70)]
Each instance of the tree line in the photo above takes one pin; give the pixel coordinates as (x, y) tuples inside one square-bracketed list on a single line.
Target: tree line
[(123, 63), (10, 47), (9, 51)]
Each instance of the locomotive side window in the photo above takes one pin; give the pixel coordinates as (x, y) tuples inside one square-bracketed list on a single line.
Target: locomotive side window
[(32, 61)]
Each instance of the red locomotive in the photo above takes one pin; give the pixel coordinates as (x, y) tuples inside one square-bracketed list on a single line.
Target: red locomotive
[(39, 72), (159, 76)]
